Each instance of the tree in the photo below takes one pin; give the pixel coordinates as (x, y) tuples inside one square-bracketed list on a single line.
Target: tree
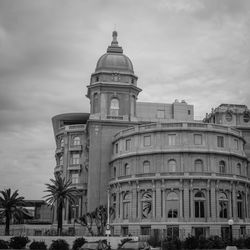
[(87, 221), (12, 207), (60, 191)]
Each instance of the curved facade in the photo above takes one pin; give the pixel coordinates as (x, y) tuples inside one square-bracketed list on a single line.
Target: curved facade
[(160, 169), (188, 177)]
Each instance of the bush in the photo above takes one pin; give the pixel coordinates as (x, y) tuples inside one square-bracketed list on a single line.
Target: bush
[(191, 243), (247, 242), (18, 242), (239, 243), (59, 245), (38, 245), (215, 242), (78, 242), (173, 244), (154, 241), (4, 244)]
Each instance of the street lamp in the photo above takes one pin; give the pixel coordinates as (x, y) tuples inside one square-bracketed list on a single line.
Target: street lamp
[(230, 223)]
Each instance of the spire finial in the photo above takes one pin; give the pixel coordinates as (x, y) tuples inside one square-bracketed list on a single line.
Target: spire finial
[(114, 35)]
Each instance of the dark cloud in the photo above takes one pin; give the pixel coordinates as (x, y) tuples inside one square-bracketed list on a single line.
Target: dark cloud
[(183, 49)]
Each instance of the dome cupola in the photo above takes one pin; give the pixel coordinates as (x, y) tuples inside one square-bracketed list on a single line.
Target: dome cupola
[(114, 60)]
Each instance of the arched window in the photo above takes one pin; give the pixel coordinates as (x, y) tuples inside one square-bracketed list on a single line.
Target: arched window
[(238, 169), (146, 201), (198, 165), (132, 107), (126, 205), (95, 103), (62, 143), (126, 169), (172, 166), (223, 205), (222, 167), (61, 161), (199, 205), (76, 141), (228, 116), (114, 107), (246, 117), (146, 167), (172, 205), (240, 205)]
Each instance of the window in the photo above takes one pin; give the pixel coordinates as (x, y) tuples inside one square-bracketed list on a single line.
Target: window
[(197, 139), (95, 103), (172, 232), (75, 178), (220, 141), (172, 166), (238, 169), (225, 234), (124, 230), (228, 117), (116, 148), (113, 204), (146, 167), (75, 159), (199, 205), (126, 205), (199, 232), (146, 204), (126, 169), (198, 165), (160, 114), (172, 205), (114, 107), (236, 144), (147, 140), (76, 141), (114, 172), (222, 167), (172, 139), (61, 161), (223, 205), (189, 112), (240, 205), (62, 143), (246, 117), (127, 145), (145, 230)]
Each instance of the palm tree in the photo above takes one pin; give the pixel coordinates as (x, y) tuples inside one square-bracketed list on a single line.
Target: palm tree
[(11, 205), (60, 191)]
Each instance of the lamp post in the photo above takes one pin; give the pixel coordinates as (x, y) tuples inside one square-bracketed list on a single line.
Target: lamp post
[(230, 223)]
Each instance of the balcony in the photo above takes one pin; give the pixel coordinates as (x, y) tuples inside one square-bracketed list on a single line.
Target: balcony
[(80, 186), (58, 169), (75, 167), (75, 147)]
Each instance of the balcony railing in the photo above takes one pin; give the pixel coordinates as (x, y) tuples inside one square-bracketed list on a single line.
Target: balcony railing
[(75, 147), (75, 167)]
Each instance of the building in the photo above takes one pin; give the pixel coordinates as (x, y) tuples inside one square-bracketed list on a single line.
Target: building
[(164, 171)]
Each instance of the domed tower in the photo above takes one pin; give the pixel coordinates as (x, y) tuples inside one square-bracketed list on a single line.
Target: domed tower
[(113, 87), (112, 93)]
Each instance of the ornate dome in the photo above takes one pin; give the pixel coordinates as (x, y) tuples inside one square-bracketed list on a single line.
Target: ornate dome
[(114, 60)]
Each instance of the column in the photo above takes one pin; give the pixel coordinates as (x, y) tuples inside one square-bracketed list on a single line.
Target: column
[(139, 203), (121, 205), (186, 202), (117, 207), (181, 206), (164, 203), (207, 201), (192, 201), (246, 202), (213, 201), (153, 202), (229, 195), (235, 214), (158, 202)]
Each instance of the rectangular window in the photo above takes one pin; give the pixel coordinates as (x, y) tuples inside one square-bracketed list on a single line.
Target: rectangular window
[(76, 159), (147, 140), (197, 139), (173, 232), (189, 112), (145, 230), (75, 178), (160, 114), (220, 141), (116, 148), (128, 143), (124, 231), (172, 139), (199, 232), (236, 144)]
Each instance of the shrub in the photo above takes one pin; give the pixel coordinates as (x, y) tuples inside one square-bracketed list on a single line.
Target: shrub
[(215, 242), (173, 244), (18, 242), (38, 245), (59, 245), (247, 242), (191, 243), (78, 242), (239, 243), (4, 244), (154, 241)]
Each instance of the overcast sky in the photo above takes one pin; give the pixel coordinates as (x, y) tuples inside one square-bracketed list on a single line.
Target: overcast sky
[(197, 50)]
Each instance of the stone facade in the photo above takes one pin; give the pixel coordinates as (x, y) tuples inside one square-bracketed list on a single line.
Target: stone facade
[(163, 171)]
